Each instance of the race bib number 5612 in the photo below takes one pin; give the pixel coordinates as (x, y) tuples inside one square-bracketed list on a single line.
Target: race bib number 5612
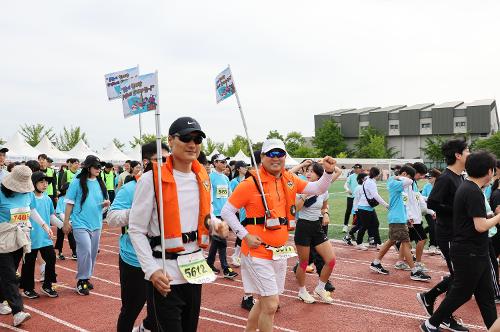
[(194, 268)]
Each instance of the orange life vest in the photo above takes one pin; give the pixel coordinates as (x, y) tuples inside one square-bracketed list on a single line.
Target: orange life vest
[(171, 215)]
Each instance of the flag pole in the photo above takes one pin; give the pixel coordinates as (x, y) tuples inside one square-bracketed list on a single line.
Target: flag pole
[(140, 116), (159, 164), (268, 213)]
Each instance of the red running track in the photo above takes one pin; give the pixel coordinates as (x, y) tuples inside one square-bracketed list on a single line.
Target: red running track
[(364, 300)]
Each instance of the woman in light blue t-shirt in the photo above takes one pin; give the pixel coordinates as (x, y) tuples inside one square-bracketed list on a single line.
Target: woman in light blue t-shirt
[(85, 199)]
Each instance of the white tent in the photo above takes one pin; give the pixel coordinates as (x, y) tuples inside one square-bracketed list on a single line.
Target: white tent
[(19, 149), (214, 152), (46, 146), (81, 151), (135, 153), (290, 162), (112, 154), (241, 156)]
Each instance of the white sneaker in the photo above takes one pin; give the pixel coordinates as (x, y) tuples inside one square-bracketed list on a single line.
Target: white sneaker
[(21, 317), (345, 229), (361, 247), (421, 266), (140, 328), (235, 261), (402, 266), (323, 295), (5, 309), (306, 297), (432, 250)]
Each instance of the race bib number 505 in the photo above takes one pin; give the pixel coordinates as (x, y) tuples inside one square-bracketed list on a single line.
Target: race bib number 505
[(194, 268), (222, 191)]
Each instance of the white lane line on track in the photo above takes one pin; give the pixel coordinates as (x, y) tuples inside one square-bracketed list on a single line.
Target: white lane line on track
[(222, 322), (55, 319), (9, 327)]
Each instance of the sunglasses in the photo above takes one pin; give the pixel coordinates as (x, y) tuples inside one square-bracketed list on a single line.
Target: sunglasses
[(222, 161), (186, 138), (275, 154)]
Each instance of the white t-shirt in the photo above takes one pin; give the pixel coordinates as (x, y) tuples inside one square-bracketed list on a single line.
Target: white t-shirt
[(313, 212), (143, 220)]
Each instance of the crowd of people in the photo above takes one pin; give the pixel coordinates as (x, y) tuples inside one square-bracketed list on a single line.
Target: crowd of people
[(198, 202)]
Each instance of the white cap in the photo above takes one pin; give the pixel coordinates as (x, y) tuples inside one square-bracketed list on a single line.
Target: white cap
[(220, 157), (271, 144)]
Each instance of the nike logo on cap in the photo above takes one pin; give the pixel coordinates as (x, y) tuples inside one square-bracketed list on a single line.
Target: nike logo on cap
[(190, 123)]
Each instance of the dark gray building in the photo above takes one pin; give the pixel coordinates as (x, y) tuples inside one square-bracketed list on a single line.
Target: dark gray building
[(407, 127)]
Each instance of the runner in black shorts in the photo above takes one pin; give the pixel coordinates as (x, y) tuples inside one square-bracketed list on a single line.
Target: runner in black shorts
[(309, 233)]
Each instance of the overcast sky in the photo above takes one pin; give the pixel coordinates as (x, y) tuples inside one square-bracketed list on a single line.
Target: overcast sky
[(290, 60)]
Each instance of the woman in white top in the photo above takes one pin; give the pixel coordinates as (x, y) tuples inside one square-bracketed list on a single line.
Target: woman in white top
[(311, 231), (366, 214)]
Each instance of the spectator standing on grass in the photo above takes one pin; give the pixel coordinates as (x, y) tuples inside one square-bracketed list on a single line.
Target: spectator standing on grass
[(469, 246), (366, 214), (350, 186), (441, 200)]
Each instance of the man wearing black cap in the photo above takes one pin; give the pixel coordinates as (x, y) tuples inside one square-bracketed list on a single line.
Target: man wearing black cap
[(3, 168), (173, 298), (350, 186)]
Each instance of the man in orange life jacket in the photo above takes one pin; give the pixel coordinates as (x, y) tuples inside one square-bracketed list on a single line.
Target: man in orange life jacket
[(263, 269), (172, 301)]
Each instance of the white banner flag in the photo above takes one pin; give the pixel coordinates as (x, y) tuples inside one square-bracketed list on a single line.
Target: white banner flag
[(224, 85), (139, 94), (114, 80)]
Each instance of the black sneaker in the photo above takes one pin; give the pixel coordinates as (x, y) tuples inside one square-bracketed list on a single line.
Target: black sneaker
[(425, 328), (427, 305), (74, 257), (451, 324), (378, 268), (419, 276), (247, 303), (49, 291), (229, 273), (347, 240), (295, 268), (329, 287), (90, 286), (61, 256), (216, 270), (31, 294), (82, 287)]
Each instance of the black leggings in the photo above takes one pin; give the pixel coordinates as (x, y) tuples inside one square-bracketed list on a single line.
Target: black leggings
[(60, 241), (369, 221), (348, 210), (9, 286), (432, 230), (28, 270)]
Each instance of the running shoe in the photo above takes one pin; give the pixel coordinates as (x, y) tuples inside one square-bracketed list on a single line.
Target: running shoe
[(347, 240), (49, 291), (373, 246), (5, 309), (216, 270), (306, 297), (235, 261), (90, 286), (229, 273), (451, 324), (329, 287), (402, 266), (61, 256), (30, 294), (324, 295), (421, 266), (432, 250), (247, 303), (345, 229), (82, 287), (425, 328), (74, 257), (361, 247), (427, 305), (419, 276), (21, 317), (378, 268)]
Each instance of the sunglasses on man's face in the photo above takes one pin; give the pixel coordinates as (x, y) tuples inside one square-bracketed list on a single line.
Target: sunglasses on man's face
[(186, 138), (275, 154)]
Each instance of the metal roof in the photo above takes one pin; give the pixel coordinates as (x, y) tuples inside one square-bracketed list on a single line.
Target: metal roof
[(389, 108), (483, 102), (417, 107), (361, 110), (339, 111), (450, 104)]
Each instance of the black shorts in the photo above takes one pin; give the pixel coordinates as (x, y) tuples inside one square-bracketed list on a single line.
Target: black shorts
[(309, 233), (417, 233)]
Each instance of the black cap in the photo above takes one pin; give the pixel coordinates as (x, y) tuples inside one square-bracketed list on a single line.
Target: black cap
[(395, 168), (357, 166), (3, 149), (39, 176), (50, 160), (185, 125), (108, 165), (240, 163), (92, 160)]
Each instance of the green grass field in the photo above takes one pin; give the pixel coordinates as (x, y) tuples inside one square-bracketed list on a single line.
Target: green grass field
[(338, 204)]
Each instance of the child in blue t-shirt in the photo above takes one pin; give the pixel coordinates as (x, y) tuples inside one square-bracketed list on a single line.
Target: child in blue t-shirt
[(220, 193), (40, 242), (60, 209)]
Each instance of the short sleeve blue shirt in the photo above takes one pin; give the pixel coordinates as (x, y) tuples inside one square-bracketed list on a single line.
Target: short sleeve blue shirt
[(89, 215)]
